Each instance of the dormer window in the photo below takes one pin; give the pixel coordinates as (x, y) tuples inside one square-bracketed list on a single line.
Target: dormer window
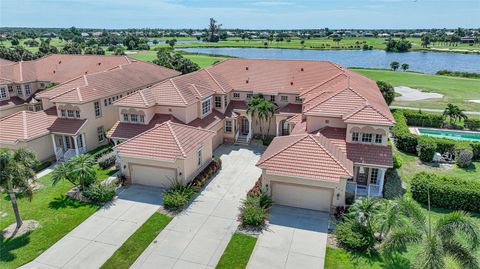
[(3, 93), (284, 98), (27, 89), (19, 90), (125, 117), (378, 138), (218, 102), (298, 99), (142, 118), (63, 113), (134, 117), (77, 114), (366, 138), (70, 113), (236, 95), (207, 106), (355, 136)]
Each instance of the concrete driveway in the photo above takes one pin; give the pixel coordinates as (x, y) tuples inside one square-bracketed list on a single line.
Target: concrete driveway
[(198, 237), (295, 238), (92, 242)]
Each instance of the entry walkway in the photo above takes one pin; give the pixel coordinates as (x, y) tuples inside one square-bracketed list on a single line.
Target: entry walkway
[(92, 242), (198, 237)]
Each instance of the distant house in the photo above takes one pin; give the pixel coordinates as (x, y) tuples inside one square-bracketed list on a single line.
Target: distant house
[(467, 39), (384, 35), (400, 34), (368, 35)]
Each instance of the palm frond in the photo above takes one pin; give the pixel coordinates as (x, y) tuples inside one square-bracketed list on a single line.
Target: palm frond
[(398, 239), (431, 256), (461, 254), (458, 222)]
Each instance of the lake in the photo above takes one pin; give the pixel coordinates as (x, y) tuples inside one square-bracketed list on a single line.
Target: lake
[(425, 62)]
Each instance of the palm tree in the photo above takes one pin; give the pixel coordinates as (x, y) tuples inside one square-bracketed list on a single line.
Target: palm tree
[(262, 110), (17, 169), (454, 113), (252, 109), (78, 171), (365, 212), (455, 235)]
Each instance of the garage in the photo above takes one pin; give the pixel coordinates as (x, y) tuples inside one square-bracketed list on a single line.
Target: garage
[(217, 140), (152, 175), (302, 196)]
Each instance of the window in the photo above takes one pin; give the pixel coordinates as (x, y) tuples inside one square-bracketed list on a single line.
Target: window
[(105, 102), (225, 101), (249, 96), (3, 92), (109, 100), (100, 134), (199, 157), (80, 140), (378, 138), (125, 117), (19, 90), (27, 89), (42, 85), (98, 110), (206, 107), (374, 176), (10, 88), (218, 101), (62, 112), (367, 138), (272, 98), (228, 126), (38, 107), (297, 99), (236, 95), (134, 117), (30, 108), (284, 98), (70, 113), (77, 113), (355, 136), (142, 118)]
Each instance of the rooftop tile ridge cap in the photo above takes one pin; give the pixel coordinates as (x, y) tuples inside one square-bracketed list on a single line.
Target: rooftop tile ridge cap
[(25, 127), (140, 134), (174, 135), (21, 70), (196, 90), (142, 96), (215, 80), (301, 136), (85, 79), (328, 152), (188, 126), (79, 93), (321, 83), (335, 94), (178, 91)]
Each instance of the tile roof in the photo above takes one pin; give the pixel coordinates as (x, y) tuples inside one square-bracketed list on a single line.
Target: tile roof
[(166, 141), (369, 114), (306, 155), (5, 62), (67, 126), (13, 101), (126, 130), (25, 125), (290, 109)]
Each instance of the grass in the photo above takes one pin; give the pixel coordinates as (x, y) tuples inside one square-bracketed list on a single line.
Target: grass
[(131, 249), (203, 60), (455, 90), (56, 213), (238, 252)]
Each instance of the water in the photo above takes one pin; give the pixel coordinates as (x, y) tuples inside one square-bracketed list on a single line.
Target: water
[(466, 136), (425, 62)]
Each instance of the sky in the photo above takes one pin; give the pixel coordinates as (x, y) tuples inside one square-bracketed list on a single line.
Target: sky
[(245, 14)]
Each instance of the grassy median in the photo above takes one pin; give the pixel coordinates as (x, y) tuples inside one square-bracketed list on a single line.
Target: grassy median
[(238, 252)]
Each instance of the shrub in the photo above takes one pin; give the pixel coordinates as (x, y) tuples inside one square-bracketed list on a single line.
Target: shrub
[(199, 181), (253, 216), (404, 140), (446, 192), (97, 153), (423, 119), (393, 185), (397, 161), (472, 124), (107, 160), (99, 192), (177, 196), (475, 150), (426, 148), (354, 236), (42, 166), (445, 145), (464, 158), (267, 140), (387, 91)]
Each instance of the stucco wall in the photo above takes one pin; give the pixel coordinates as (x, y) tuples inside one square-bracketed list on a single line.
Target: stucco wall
[(11, 110), (42, 147), (315, 122)]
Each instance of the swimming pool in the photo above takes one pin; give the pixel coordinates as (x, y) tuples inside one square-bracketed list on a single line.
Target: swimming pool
[(457, 135)]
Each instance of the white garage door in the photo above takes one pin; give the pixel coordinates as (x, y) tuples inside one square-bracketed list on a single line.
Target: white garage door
[(153, 176), (302, 196)]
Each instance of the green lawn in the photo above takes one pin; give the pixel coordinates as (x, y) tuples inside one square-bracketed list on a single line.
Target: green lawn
[(131, 249), (455, 90), (238, 252), (203, 60), (56, 213)]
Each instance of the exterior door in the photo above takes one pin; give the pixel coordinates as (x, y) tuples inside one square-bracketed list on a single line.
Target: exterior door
[(362, 176), (244, 126)]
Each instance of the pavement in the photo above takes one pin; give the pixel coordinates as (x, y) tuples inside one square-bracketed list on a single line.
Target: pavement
[(295, 238), (95, 240), (198, 236), (47, 170), (411, 94)]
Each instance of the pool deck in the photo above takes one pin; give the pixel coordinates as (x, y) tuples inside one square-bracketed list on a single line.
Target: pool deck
[(415, 130)]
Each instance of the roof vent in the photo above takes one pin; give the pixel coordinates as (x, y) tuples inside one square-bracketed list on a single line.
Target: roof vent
[(86, 72), (54, 71), (59, 62), (291, 83), (246, 81), (301, 69), (246, 68), (99, 63)]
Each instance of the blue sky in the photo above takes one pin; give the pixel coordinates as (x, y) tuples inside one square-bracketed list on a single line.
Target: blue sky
[(253, 14)]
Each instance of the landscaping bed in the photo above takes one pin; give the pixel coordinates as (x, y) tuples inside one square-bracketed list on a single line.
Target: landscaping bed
[(254, 211)]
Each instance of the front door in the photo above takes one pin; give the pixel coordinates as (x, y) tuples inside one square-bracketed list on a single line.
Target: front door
[(244, 126), (362, 176)]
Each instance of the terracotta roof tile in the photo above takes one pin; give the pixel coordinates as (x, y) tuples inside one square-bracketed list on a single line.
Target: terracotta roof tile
[(67, 126), (290, 109), (24, 126), (368, 114), (125, 130)]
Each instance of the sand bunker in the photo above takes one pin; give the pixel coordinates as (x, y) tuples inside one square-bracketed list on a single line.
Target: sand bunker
[(411, 94)]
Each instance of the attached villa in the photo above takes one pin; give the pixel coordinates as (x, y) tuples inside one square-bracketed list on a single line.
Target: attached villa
[(331, 127)]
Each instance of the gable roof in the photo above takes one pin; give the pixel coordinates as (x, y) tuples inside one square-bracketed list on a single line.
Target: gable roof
[(25, 125), (306, 155), (166, 141)]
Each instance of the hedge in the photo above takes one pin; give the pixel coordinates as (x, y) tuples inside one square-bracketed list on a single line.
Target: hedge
[(419, 118), (446, 192), (426, 148), (472, 124), (42, 166)]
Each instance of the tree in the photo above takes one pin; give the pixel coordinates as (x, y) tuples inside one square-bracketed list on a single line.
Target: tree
[(78, 170), (454, 113), (15, 42), (365, 212), (405, 67), (302, 42), (262, 111), (394, 65), (17, 170), (172, 42), (455, 235), (213, 31), (387, 91), (426, 40), (175, 61)]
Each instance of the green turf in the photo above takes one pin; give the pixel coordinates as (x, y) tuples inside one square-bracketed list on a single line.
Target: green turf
[(131, 249), (56, 213), (203, 60), (455, 90), (238, 252)]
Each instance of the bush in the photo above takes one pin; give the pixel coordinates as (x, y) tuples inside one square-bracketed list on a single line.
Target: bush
[(397, 161), (253, 216), (404, 140), (199, 181), (107, 160), (177, 196), (445, 145), (426, 148), (422, 119), (464, 158), (267, 140), (475, 150), (393, 185), (472, 124), (99, 192), (100, 151), (387, 91), (42, 166), (354, 236), (446, 192)]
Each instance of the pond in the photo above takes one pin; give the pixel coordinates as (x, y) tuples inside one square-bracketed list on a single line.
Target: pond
[(425, 62), (456, 135)]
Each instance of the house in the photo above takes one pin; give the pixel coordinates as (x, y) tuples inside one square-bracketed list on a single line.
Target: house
[(77, 113), (331, 128)]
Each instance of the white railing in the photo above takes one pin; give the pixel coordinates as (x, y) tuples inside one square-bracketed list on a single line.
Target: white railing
[(68, 154), (374, 190), (59, 153), (371, 190)]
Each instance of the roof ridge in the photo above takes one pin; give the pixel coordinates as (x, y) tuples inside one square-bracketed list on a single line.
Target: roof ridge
[(25, 127), (178, 91), (21, 70), (328, 152), (321, 83), (284, 148), (215, 80), (79, 93), (191, 127), (195, 88), (142, 96), (172, 132), (365, 106), (337, 93)]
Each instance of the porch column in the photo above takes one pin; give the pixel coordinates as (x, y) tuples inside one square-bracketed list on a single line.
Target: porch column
[(277, 123), (83, 141), (64, 143), (54, 146), (381, 174), (250, 132), (76, 145)]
